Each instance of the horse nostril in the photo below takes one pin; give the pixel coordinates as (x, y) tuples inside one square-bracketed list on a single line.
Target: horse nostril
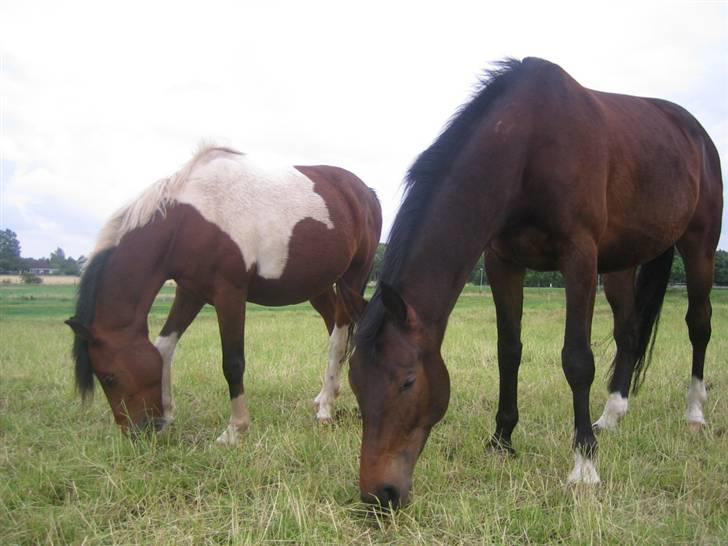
[(386, 496), (147, 425), (390, 495)]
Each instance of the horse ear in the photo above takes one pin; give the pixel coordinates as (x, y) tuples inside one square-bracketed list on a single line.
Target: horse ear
[(79, 329), (393, 303)]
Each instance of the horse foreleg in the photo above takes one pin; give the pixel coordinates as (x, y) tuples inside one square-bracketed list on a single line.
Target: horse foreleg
[(580, 274), (506, 282), (184, 309), (619, 290), (230, 308)]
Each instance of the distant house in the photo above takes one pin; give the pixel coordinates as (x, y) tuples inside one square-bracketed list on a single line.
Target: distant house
[(44, 270)]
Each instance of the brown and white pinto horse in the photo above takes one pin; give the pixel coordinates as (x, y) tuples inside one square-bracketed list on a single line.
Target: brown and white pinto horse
[(227, 230), (538, 172)]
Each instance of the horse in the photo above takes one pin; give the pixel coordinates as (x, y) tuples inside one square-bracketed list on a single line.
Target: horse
[(536, 172), (228, 229)]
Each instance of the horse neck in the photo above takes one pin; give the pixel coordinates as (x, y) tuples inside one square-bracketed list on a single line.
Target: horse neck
[(131, 280), (449, 241)]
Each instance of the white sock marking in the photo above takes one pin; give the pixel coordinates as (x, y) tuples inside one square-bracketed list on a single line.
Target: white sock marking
[(697, 396), (584, 471), (239, 421), (166, 346), (330, 390), (614, 410)]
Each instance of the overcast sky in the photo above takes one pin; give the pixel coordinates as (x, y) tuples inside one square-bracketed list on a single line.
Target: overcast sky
[(100, 99)]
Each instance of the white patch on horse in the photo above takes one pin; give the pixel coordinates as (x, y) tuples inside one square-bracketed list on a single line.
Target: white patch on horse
[(584, 471), (239, 421), (697, 396), (332, 383), (614, 410), (166, 346), (257, 206)]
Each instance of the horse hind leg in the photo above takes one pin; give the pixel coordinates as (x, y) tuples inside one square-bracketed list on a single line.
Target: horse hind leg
[(699, 267), (619, 290), (340, 309), (325, 304), (184, 309)]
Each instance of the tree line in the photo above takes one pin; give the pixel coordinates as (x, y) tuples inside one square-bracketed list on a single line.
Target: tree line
[(554, 279), (60, 264), (12, 262)]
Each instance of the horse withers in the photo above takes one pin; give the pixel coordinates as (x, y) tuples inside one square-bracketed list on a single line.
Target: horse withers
[(228, 230), (542, 173)]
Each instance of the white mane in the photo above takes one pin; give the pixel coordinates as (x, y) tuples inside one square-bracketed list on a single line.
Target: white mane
[(151, 201)]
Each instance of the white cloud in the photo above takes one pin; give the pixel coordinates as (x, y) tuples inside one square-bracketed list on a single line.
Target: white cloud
[(99, 100)]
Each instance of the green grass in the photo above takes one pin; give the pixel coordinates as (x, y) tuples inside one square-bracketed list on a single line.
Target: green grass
[(68, 476)]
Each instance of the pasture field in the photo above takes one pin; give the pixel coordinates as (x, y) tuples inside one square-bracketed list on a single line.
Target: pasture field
[(67, 476)]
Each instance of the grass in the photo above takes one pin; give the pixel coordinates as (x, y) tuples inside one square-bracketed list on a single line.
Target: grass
[(67, 476)]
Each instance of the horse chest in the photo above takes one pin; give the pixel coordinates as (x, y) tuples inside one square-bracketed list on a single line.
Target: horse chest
[(257, 208)]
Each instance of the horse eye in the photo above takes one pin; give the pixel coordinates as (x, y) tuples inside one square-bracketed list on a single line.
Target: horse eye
[(407, 384), (108, 380)]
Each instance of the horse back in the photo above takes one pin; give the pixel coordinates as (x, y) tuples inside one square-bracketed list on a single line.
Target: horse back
[(283, 233), (631, 173)]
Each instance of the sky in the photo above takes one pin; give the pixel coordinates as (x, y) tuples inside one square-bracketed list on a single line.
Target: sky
[(100, 99)]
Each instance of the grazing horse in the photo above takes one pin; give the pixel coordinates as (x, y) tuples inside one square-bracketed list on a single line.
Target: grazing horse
[(228, 230), (537, 172)]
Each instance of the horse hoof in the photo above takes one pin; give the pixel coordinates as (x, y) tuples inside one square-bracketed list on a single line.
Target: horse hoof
[(696, 426), (325, 420), (599, 426), (584, 472), (224, 440), (229, 437), (500, 447)]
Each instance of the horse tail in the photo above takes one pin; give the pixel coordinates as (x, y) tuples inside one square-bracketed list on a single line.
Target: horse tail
[(650, 288)]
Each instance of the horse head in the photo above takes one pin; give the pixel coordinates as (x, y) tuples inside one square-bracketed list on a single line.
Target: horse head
[(403, 389), (129, 369)]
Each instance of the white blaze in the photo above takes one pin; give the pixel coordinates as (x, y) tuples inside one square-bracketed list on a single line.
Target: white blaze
[(257, 207)]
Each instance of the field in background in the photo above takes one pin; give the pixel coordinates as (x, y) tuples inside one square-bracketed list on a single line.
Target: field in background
[(46, 279), (67, 475)]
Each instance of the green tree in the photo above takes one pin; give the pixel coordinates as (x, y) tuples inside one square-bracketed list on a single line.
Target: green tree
[(677, 273), (378, 260), (721, 268), (58, 258), (9, 251)]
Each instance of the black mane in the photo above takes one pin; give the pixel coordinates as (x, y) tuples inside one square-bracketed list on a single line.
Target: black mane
[(422, 182), (85, 310)]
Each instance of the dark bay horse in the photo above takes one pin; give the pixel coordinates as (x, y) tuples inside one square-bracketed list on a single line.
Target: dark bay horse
[(228, 230), (537, 172)]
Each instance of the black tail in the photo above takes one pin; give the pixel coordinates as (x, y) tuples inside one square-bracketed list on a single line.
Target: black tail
[(650, 290)]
